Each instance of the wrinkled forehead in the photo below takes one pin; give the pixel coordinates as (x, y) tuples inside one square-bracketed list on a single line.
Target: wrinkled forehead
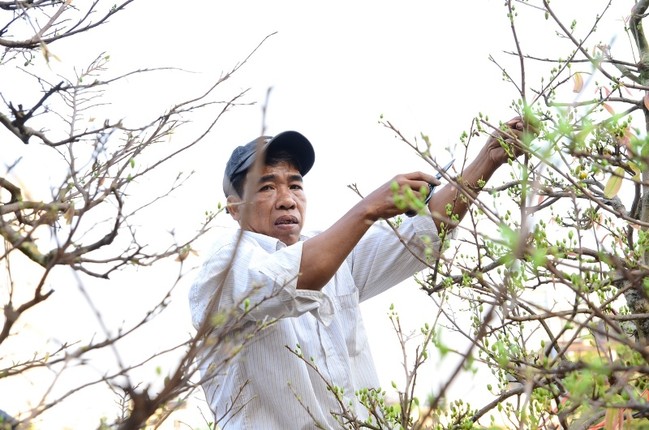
[(279, 170)]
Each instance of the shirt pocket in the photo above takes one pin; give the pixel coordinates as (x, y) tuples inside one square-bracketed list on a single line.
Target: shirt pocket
[(352, 323)]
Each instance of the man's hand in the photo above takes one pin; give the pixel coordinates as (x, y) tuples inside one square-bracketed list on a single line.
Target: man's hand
[(500, 147), (505, 144), (384, 202)]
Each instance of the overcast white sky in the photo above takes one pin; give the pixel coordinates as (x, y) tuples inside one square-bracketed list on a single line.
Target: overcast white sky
[(334, 68)]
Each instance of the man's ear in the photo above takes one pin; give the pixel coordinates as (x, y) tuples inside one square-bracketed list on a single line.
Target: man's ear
[(233, 206)]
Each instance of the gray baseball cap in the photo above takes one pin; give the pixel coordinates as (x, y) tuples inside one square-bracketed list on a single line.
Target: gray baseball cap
[(243, 157)]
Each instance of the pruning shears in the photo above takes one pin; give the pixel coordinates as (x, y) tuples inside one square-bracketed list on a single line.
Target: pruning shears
[(431, 188)]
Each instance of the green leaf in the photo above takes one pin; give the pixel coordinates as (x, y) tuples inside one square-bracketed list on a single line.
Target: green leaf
[(614, 183)]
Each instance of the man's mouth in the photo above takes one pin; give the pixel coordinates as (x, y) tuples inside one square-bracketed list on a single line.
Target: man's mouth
[(286, 219)]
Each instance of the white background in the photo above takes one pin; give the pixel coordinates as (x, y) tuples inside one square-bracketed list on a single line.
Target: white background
[(333, 69)]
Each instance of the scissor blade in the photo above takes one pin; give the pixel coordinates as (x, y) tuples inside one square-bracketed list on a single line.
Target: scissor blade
[(445, 168)]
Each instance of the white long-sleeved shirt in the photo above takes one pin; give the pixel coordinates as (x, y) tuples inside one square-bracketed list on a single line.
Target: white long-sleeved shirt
[(265, 386)]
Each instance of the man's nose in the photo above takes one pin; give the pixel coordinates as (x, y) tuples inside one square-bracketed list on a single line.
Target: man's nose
[(285, 199)]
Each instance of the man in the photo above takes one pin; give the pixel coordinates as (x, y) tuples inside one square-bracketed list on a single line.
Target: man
[(301, 331)]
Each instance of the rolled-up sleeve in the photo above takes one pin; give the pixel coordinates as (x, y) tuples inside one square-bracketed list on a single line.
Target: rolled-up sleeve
[(257, 275), (384, 258)]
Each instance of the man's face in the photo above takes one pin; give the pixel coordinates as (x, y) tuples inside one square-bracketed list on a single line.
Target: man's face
[(275, 205)]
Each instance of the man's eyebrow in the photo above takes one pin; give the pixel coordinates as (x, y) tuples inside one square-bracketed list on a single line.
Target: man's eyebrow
[(272, 177), (266, 178)]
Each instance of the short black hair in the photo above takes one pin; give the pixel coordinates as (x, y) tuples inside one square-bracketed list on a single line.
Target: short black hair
[(273, 158)]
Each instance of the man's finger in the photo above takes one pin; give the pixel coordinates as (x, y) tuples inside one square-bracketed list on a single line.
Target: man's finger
[(420, 176)]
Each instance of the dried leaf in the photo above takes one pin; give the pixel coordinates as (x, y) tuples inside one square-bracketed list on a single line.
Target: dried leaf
[(608, 108), (578, 82), (184, 252), (645, 99), (69, 214), (614, 183), (47, 54), (613, 419)]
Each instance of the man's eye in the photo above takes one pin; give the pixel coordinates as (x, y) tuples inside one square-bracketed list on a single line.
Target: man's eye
[(266, 188), (296, 187)]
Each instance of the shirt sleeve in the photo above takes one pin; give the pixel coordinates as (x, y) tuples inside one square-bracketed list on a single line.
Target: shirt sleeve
[(257, 278), (383, 258)]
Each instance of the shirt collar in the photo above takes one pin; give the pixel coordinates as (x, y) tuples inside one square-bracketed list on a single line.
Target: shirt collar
[(268, 243)]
